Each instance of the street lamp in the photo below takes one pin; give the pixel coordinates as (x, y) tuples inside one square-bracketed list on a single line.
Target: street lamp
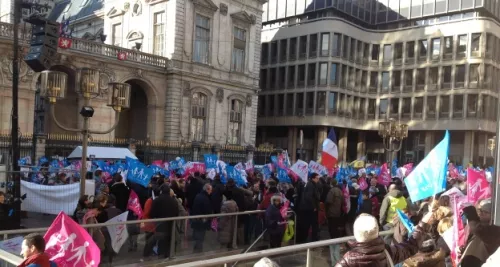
[(53, 86), (492, 144), (392, 134)]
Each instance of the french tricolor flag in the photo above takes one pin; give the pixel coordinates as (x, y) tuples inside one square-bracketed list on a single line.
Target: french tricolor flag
[(330, 153)]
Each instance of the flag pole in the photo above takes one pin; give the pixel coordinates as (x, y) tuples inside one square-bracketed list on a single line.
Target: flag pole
[(494, 183)]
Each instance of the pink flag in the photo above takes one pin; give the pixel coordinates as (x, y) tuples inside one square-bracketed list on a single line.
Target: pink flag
[(362, 183), (477, 186), (134, 205), (68, 244), (384, 177), (409, 168), (158, 163), (347, 199), (284, 209)]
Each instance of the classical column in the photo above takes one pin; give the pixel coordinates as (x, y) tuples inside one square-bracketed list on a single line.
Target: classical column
[(429, 141), (468, 148), (292, 143), (196, 150), (361, 149), (342, 145), (321, 134)]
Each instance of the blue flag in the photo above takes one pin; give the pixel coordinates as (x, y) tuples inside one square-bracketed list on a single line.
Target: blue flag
[(210, 161), (429, 177), (360, 202), (406, 221), (394, 167), (235, 174), (283, 176), (138, 172)]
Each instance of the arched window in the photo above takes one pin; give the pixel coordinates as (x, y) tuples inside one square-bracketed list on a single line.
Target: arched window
[(235, 119), (198, 116)]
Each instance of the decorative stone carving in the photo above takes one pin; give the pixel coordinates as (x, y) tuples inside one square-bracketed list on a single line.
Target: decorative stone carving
[(126, 6), (205, 6), (107, 75), (223, 9), (253, 19), (186, 89), (249, 100), (25, 73), (219, 95), (137, 9), (135, 35)]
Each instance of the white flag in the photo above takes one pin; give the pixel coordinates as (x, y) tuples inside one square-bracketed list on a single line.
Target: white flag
[(118, 233)]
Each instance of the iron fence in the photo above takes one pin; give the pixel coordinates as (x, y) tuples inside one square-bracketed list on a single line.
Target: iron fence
[(233, 154), (63, 144), (25, 145)]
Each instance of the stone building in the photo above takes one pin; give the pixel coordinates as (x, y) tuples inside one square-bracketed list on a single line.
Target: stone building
[(431, 64), (193, 66)]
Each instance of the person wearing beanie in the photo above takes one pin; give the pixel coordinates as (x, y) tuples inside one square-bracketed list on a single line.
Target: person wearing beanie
[(275, 222), (265, 262), (370, 250), (163, 206)]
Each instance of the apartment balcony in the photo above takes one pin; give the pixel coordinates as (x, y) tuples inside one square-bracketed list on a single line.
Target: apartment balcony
[(91, 48)]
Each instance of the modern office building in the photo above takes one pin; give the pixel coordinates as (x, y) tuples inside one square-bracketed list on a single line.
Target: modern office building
[(432, 64)]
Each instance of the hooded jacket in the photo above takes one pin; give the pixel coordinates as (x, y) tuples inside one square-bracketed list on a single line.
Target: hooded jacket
[(392, 201), (372, 253), (333, 203)]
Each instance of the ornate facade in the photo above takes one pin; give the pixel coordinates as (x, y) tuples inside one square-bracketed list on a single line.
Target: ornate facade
[(193, 66)]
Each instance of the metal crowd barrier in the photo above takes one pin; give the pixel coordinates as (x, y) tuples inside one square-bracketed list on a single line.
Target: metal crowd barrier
[(13, 259), (225, 261)]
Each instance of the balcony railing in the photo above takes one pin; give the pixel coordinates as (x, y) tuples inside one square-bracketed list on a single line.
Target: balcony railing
[(92, 48)]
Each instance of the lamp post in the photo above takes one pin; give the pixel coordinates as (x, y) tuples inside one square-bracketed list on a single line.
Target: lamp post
[(393, 134), (53, 86)]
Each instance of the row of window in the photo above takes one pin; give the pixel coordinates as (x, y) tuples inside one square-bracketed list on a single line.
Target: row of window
[(202, 41), (338, 45), (333, 103), (401, 80), (199, 119), (369, 11)]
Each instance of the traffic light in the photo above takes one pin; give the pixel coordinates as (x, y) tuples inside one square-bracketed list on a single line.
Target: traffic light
[(43, 45)]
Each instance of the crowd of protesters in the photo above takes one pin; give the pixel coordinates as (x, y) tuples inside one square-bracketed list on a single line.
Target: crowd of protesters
[(317, 204)]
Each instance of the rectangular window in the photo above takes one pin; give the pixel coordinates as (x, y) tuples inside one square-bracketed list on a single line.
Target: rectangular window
[(422, 47), (320, 103), (436, 47), (281, 104), (431, 108), (352, 50), (364, 81), (272, 78), (373, 81), (274, 52), (239, 50), (116, 34), (333, 74), (406, 108), (446, 77), (325, 44), (420, 79), (293, 49), (198, 116), (236, 120), (475, 44), (458, 106), (202, 39), (302, 47), (336, 44), (418, 107), (371, 108), (362, 108), (281, 78), (444, 106), (289, 104), (311, 74), (387, 53), (309, 103), (459, 76), (385, 81), (159, 33), (462, 46), (448, 45), (382, 109), (301, 76), (366, 53), (313, 45), (263, 79), (396, 81), (264, 54), (471, 106), (433, 78), (291, 77), (262, 106), (408, 80), (375, 52), (394, 108), (473, 75), (332, 103), (283, 50), (323, 73), (410, 50), (270, 105), (345, 47), (490, 45), (398, 52)]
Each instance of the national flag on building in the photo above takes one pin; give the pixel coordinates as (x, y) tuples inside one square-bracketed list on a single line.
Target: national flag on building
[(65, 34), (122, 55), (330, 154)]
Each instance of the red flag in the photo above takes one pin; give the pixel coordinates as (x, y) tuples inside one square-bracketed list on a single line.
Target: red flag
[(330, 153), (68, 244), (122, 55), (134, 205), (64, 42)]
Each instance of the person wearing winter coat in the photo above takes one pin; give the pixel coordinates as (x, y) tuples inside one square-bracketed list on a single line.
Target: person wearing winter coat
[(307, 216), (180, 225), (94, 216), (121, 192), (275, 222), (370, 250), (33, 252), (226, 224), (217, 194), (427, 256), (164, 206), (201, 206), (333, 205), (393, 201)]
